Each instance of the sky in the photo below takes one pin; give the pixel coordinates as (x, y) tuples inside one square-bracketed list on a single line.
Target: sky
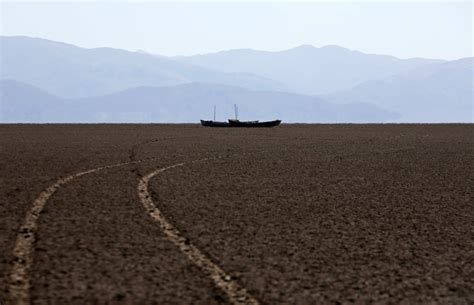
[(430, 29)]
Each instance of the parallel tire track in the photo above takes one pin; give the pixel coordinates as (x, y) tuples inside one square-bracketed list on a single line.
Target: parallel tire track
[(19, 277)]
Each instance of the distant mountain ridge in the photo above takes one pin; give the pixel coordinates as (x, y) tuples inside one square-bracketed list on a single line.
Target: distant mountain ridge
[(70, 71), (188, 103), (307, 69), (391, 89), (434, 93)]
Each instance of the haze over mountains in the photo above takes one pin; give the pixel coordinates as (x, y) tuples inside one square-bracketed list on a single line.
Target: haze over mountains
[(434, 93), (176, 104), (47, 81), (309, 70), (69, 71)]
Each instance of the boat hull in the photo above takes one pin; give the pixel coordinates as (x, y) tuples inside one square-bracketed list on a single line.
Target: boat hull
[(236, 123), (253, 124), (214, 124)]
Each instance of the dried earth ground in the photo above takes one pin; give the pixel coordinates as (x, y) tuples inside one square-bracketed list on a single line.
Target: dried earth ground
[(298, 214)]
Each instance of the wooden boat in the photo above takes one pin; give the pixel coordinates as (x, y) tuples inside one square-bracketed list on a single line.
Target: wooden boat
[(214, 124), (237, 123)]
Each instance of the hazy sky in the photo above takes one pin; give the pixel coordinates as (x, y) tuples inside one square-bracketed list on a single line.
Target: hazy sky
[(403, 29)]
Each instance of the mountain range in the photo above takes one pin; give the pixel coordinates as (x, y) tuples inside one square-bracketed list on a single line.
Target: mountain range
[(309, 70), (429, 94), (48, 81), (70, 71)]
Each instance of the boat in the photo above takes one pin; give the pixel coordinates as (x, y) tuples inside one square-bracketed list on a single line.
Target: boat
[(237, 123), (214, 123)]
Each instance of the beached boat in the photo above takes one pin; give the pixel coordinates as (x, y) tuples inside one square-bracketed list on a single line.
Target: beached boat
[(237, 123), (214, 123)]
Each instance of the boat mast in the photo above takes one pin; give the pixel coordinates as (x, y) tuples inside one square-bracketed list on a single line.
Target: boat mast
[(214, 112), (236, 111)]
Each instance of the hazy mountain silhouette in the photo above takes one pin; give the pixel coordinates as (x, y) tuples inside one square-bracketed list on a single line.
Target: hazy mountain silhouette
[(435, 93), (306, 69), (69, 71), (376, 87), (182, 103), (20, 102)]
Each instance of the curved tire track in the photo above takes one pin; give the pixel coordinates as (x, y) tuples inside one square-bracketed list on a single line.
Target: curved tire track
[(19, 279), (19, 276), (235, 293)]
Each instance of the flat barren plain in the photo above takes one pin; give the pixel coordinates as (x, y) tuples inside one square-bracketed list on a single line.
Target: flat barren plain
[(181, 214)]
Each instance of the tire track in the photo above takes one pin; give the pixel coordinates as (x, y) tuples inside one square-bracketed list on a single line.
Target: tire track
[(235, 293), (19, 279), (19, 276)]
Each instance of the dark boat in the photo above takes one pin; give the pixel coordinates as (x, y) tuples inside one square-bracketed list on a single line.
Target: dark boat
[(237, 123), (214, 124)]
